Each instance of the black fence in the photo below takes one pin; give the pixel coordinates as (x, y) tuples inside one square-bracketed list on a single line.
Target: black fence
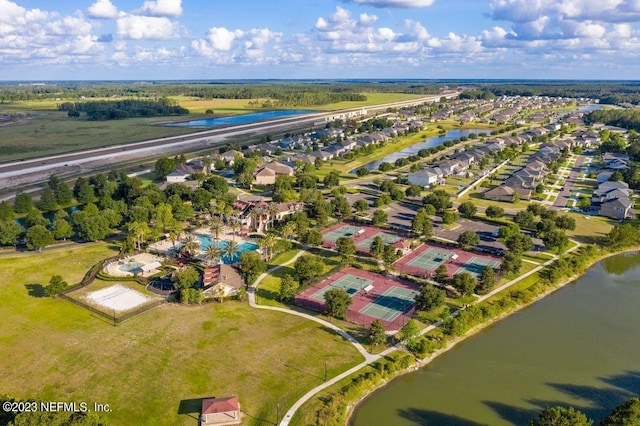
[(114, 317)]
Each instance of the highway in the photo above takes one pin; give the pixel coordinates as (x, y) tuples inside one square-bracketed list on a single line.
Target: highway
[(17, 174)]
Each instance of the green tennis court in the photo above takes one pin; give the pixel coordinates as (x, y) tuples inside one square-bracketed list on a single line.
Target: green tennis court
[(391, 304), (475, 265), (430, 259), (386, 238), (344, 231), (349, 283)]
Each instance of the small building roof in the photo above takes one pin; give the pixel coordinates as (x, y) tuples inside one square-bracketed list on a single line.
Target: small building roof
[(220, 405)]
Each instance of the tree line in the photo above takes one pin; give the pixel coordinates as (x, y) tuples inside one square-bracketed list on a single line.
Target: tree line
[(121, 109)]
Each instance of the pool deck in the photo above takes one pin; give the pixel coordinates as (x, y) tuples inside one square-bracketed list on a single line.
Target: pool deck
[(164, 246), (113, 269)]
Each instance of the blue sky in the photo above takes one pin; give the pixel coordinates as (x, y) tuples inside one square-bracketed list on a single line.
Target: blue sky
[(222, 39)]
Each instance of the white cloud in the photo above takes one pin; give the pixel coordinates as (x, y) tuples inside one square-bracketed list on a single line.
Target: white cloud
[(168, 8), (10, 11), (137, 27), (366, 19), (401, 4), (256, 45), (221, 38), (103, 9)]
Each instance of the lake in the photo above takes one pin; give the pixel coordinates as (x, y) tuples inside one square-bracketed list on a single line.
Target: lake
[(240, 119), (427, 143), (578, 346)]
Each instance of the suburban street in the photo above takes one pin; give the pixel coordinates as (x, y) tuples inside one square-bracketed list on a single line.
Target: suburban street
[(565, 194)]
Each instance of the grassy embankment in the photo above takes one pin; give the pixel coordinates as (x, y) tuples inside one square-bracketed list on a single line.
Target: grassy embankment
[(160, 363)]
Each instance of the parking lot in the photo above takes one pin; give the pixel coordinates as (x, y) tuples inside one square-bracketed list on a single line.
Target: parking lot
[(486, 231), (401, 215)]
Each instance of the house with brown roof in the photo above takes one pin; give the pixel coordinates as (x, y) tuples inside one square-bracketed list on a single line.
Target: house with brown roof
[(507, 193), (229, 157), (220, 411), (266, 174), (223, 280)]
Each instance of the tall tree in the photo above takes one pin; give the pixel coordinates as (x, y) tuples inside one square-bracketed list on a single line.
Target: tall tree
[(63, 193), (377, 333), (62, 229), (163, 167), (10, 232), (346, 248), (379, 217), (307, 266), (288, 289), (6, 211), (467, 239), (337, 302), (23, 203), (48, 201), (464, 282), (487, 279), (467, 209), (429, 298), (185, 277), (56, 286), (252, 265), (561, 416), (627, 414), (38, 237)]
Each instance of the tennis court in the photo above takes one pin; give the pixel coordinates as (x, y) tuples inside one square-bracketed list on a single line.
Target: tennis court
[(430, 259), (391, 304), (343, 231), (349, 283), (476, 264), (386, 238)]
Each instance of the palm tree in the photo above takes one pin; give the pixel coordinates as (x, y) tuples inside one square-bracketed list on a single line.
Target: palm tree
[(267, 242), (230, 250), (272, 212), (191, 245), (139, 232), (212, 253), (216, 228), (256, 215), (175, 230), (288, 230), (235, 226)]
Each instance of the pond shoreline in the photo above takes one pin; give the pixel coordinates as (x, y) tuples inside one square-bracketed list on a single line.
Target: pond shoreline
[(475, 330)]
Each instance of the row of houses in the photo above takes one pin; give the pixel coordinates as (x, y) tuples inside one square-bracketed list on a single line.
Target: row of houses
[(523, 181), (456, 165)]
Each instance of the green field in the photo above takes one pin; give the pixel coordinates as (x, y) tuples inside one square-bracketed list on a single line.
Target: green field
[(52, 132), (159, 364)]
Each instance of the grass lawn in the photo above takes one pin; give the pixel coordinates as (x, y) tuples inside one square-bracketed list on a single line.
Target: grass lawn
[(590, 228), (306, 415), (159, 364), (373, 98)]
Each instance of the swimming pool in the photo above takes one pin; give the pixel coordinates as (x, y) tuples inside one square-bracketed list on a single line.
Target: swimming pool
[(132, 267), (206, 241)]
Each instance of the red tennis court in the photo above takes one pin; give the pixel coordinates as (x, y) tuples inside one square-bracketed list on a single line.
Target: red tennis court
[(373, 296), (424, 260), (362, 235)]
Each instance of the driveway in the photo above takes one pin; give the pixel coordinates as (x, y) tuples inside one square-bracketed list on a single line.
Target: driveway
[(565, 193)]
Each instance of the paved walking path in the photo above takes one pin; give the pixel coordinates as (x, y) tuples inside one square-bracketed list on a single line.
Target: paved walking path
[(252, 302)]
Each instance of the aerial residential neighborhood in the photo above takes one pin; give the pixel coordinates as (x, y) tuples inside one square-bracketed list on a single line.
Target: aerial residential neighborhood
[(389, 220)]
